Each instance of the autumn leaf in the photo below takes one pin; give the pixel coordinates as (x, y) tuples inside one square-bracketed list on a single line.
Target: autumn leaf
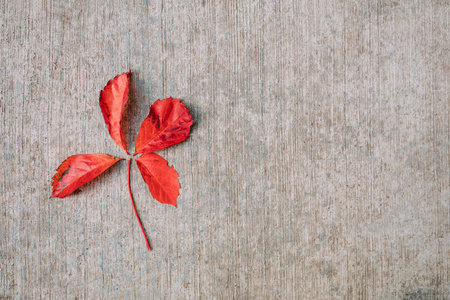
[(167, 124), (112, 103), (161, 179), (79, 169)]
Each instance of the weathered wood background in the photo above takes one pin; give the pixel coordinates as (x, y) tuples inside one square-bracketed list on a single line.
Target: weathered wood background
[(318, 166)]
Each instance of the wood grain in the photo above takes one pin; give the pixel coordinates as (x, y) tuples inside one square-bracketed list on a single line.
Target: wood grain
[(318, 165)]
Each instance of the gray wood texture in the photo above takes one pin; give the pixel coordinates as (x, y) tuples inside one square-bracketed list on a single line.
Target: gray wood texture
[(318, 165)]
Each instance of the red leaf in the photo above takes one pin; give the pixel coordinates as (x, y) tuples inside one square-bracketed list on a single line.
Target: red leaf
[(79, 169), (167, 124), (161, 179), (112, 103)]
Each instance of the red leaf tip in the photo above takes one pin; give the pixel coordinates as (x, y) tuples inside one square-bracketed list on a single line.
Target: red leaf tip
[(167, 124), (161, 179), (112, 102), (77, 170)]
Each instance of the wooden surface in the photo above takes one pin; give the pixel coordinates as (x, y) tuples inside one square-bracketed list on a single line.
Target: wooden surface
[(318, 165)]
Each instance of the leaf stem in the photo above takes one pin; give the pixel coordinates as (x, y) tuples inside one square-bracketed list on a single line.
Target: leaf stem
[(134, 207)]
